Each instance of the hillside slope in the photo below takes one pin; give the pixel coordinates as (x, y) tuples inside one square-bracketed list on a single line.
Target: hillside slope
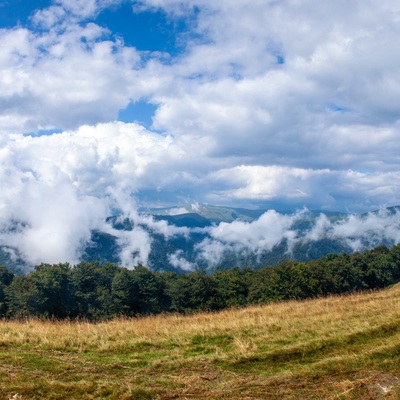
[(330, 348)]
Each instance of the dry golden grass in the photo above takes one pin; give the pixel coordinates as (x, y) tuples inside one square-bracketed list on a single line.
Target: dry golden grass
[(331, 348)]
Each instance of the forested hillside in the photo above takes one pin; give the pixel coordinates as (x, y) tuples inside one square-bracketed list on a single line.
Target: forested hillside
[(94, 291)]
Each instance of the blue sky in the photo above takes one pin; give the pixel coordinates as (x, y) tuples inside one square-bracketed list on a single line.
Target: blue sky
[(126, 104), (145, 30), (14, 12)]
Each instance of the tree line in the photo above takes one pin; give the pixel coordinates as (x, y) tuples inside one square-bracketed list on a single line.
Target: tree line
[(96, 291)]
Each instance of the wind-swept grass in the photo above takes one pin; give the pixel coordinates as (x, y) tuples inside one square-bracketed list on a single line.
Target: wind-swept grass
[(332, 348)]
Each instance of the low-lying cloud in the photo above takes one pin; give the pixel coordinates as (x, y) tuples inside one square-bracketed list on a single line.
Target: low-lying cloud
[(358, 232)]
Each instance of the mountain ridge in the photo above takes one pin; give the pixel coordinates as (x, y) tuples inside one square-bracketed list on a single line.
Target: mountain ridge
[(192, 236)]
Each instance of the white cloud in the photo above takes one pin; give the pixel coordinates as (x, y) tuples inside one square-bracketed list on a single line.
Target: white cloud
[(265, 183), (178, 261), (60, 187), (260, 235), (135, 247), (373, 228), (62, 80), (271, 229), (359, 231), (53, 219), (331, 91), (264, 233), (64, 12)]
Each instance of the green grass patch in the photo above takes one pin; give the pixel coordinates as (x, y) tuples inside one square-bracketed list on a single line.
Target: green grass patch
[(203, 344)]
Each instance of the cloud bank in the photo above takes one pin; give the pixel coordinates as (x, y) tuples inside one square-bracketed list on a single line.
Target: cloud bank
[(358, 232)]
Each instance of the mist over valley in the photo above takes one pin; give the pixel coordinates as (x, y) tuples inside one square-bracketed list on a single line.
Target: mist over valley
[(209, 238)]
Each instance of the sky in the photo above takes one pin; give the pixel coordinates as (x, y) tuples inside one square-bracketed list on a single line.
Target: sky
[(111, 105)]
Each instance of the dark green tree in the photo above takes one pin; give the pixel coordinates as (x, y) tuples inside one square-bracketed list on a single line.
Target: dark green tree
[(85, 278), (6, 277), (23, 297), (151, 296), (54, 286), (266, 285), (46, 292), (125, 293), (93, 289), (233, 286), (195, 291)]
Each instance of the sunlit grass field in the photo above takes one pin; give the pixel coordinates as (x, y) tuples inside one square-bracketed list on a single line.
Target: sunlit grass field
[(332, 348)]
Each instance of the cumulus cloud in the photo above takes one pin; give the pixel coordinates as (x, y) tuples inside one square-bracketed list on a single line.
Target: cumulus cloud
[(266, 182), (58, 188), (265, 91), (45, 217), (307, 97), (62, 79)]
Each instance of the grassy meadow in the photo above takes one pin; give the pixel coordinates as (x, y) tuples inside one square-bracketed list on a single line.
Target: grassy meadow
[(331, 348)]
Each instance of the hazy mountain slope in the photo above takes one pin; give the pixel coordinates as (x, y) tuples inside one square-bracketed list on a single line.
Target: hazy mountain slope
[(180, 253), (210, 237)]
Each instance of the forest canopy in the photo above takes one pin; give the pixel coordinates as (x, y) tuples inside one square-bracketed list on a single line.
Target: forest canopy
[(95, 291)]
